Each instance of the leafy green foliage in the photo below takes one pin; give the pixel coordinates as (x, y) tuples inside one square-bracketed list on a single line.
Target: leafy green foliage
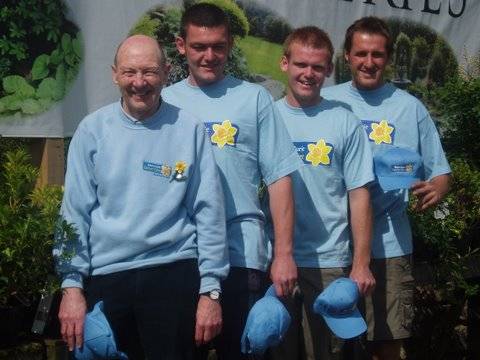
[(28, 219), (264, 22), (445, 235), (49, 78), (51, 49), (403, 54), (238, 20), (458, 104)]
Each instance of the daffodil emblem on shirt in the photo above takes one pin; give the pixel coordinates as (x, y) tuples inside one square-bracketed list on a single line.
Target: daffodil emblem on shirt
[(180, 168), (224, 134), (381, 132), (318, 153)]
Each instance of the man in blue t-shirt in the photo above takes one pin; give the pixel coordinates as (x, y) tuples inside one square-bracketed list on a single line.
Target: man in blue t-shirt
[(250, 144), (332, 201), (143, 193), (391, 117)]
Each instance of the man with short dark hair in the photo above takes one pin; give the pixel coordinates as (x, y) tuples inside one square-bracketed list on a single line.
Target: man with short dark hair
[(143, 193), (332, 202), (250, 145), (391, 117)]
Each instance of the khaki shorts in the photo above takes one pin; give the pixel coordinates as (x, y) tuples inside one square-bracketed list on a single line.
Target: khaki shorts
[(389, 311)]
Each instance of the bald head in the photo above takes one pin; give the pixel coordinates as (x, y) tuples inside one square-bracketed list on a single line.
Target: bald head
[(140, 43)]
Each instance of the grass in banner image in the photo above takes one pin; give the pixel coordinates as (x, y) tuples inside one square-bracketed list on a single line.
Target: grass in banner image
[(40, 53), (259, 34), (421, 56)]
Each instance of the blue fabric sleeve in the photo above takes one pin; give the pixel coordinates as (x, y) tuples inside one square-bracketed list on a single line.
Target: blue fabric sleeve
[(358, 159), (277, 155), (205, 204), (78, 200)]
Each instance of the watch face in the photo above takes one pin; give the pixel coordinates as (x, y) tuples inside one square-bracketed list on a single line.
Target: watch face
[(214, 294)]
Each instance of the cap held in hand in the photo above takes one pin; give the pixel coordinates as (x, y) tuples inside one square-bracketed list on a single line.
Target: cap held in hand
[(397, 168), (267, 323), (337, 304), (98, 339)]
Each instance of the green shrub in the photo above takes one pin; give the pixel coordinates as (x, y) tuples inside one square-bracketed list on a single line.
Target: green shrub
[(403, 55), (446, 236), (28, 219), (238, 21), (458, 105)]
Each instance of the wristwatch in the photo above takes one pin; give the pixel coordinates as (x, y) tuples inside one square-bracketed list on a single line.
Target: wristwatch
[(213, 294)]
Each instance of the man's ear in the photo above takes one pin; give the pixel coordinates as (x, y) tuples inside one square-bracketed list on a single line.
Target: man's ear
[(346, 56), (180, 44), (284, 63), (114, 74), (330, 69)]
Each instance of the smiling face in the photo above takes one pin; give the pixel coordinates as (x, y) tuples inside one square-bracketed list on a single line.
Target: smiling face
[(206, 50), (140, 73), (368, 59), (306, 68)]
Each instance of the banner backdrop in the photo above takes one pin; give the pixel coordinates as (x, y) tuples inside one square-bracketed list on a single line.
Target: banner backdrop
[(103, 24)]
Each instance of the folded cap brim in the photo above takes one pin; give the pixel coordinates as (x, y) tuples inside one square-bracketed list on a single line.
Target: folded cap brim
[(388, 183), (346, 326)]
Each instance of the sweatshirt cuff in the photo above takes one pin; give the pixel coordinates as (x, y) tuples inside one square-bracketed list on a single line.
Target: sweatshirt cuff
[(72, 280), (209, 283)]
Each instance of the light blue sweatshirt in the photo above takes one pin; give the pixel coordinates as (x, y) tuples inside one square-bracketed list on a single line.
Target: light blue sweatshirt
[(131, 207)]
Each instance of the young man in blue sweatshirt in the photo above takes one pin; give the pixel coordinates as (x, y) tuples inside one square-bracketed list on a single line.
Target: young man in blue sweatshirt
[(250, 144), (332, 201), (391, 117), (143, 193)]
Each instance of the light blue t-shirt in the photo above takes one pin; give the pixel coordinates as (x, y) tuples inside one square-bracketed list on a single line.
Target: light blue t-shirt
[(336, 159), (391, 116), (142, 194), (250, 143)]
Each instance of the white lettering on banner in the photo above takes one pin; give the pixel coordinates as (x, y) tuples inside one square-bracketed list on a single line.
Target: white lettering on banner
[(428, 6)]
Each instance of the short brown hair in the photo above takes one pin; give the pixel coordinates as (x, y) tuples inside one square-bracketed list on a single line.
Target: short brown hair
[(203, 14), (311, 36), (369, 25)]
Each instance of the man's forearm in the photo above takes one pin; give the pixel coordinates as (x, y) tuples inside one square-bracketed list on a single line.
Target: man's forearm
[(282, 211), (284, 270), (361, 225)]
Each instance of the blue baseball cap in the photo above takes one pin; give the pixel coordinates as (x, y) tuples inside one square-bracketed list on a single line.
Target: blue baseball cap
[(337, 304), (98, 339), (397, 168), (267, 323)]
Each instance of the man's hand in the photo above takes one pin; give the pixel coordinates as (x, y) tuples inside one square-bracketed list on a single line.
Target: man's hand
[(72, 317), (430, 193), (209, 320), (283, 274), (364, 279)]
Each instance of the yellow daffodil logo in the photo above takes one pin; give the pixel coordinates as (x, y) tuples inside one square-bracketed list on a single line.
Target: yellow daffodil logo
[(318, 153), (166, 170), (223, 134), (381, 133), (180, 168)]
